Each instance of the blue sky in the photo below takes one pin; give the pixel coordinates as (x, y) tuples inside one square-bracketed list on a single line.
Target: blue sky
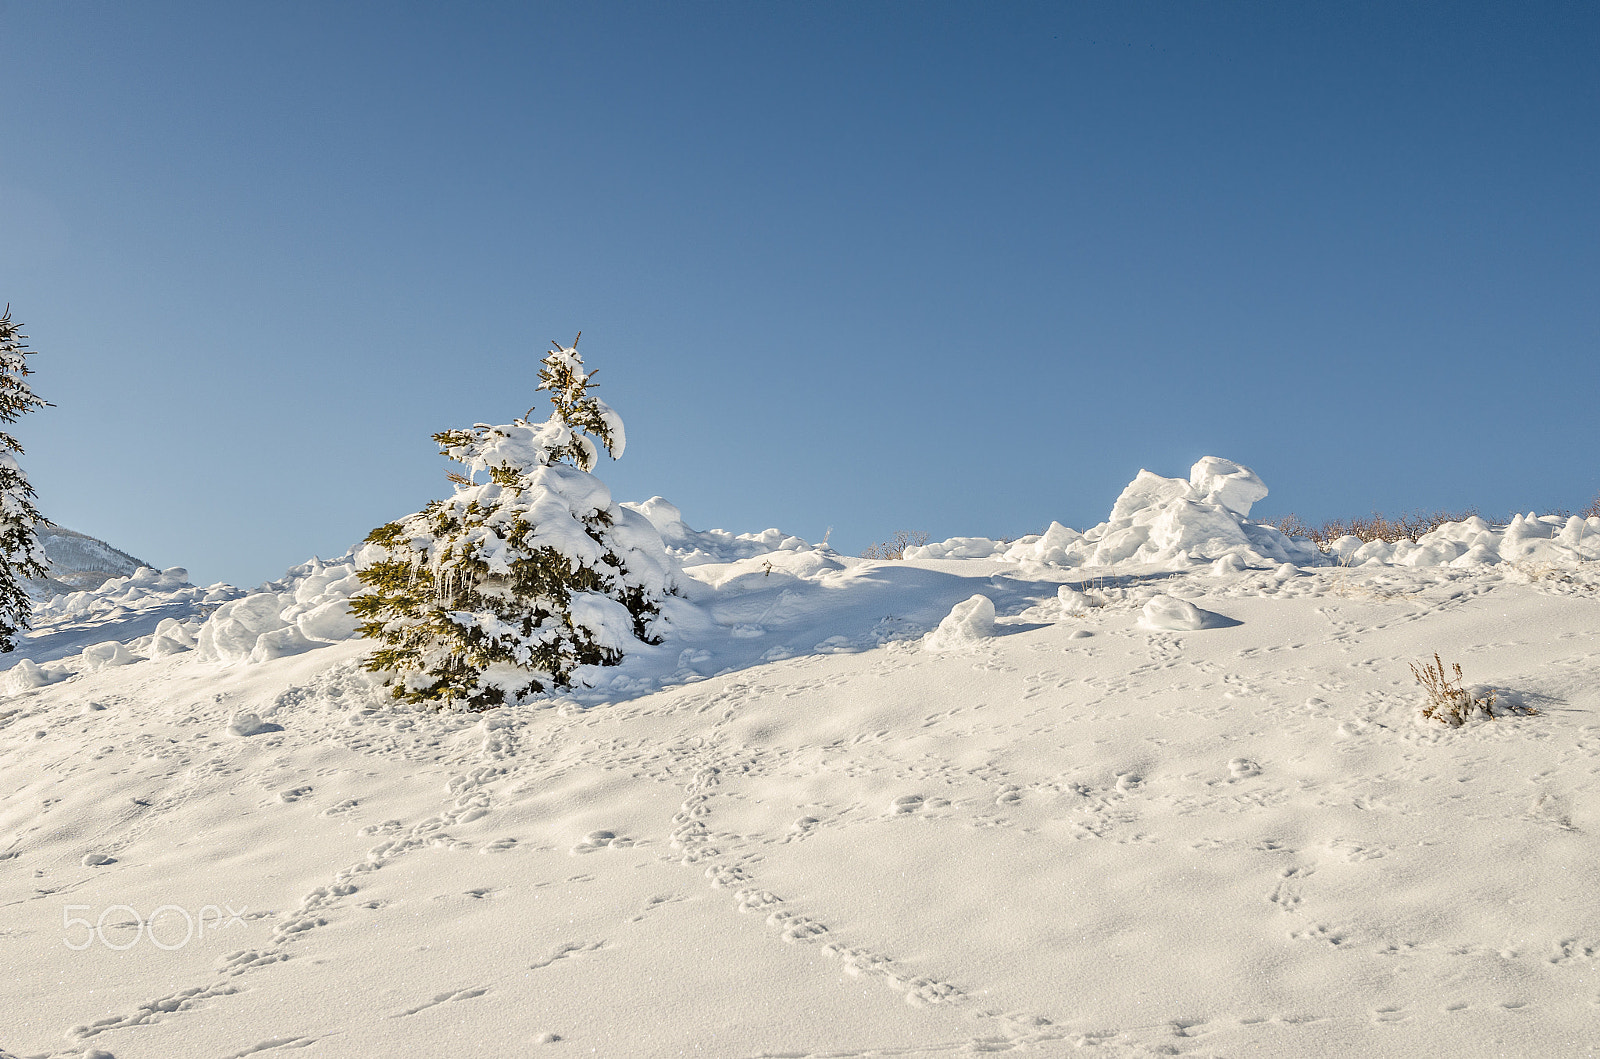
[(962, 268)]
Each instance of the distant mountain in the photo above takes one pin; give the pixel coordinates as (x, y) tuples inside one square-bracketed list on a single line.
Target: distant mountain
[(78, 561)]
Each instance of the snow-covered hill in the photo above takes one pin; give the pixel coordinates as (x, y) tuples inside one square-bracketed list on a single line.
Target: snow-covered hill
[(1159, 787), (78, 561)]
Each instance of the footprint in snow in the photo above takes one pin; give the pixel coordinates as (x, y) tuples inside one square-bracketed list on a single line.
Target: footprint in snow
[(598, 840), (906, 803)]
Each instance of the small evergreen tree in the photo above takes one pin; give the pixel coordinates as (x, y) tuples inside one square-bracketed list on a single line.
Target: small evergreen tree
[(21, 555), (501, 591)]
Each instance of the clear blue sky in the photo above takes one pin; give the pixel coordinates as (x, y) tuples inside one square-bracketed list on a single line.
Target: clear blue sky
[(962, 268)]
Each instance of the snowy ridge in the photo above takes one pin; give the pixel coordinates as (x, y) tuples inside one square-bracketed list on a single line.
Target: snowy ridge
[(1173, 523), (1526, 539), (761, 597)]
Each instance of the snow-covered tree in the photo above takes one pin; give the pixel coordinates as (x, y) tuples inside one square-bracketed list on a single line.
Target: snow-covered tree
[(21, 555), (504, 589)]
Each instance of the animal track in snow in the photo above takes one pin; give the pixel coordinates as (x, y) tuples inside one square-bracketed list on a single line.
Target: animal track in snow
[(444, 998), (388, 827), (918, 990), (1355, 852), (1286, 894), (567, 950), (757, 900), (1320, 932), (236, 963), (274, 1042), (598, 840), (795, 927), (1569, 949), (906, 803), (152, 1011), (654, 903)]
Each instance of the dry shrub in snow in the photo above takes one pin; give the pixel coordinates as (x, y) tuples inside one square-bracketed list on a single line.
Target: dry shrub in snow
[(501, 591), (1374, 527), (896, 548), (1453, 704)]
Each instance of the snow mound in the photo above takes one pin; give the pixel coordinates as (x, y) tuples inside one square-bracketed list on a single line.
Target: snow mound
[(1160, 522), (1169, 613), (144, 589), (691, 547), (307, 607), (968, 623), (1174, 522), (172, 637), (245, 724), (1526, 539), (104, 655), (1073, 601), (25, 676), (957, 548)]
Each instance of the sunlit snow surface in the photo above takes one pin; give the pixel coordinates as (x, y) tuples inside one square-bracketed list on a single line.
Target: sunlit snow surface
[(1172, 798)]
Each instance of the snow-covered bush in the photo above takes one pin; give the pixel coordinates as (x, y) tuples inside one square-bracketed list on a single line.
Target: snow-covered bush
[(504, 589), (21, 555)]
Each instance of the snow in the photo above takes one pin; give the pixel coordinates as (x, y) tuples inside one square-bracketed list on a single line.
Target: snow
[(1161, 787), (1163, 612), (699, 547), (968, 623), (76, 560)]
